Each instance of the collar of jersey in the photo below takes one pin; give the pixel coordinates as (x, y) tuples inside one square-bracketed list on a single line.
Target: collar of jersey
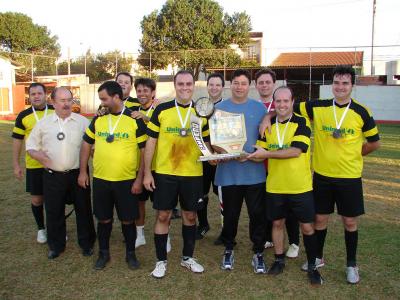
[(41, 109), (343, 105), (183, 105)]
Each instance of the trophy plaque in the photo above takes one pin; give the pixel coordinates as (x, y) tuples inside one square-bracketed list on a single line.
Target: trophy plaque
[(227, 134)]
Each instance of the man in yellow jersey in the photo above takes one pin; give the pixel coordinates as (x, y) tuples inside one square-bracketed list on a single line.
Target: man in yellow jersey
[(24, 124), (345, 131), (265, 84), (145, 92), (125, 80), (55, 142), (118, 138), (289, 183), (177, 171)]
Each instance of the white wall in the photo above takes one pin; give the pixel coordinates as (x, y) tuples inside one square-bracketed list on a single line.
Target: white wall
[(7, 78), (383, 101)]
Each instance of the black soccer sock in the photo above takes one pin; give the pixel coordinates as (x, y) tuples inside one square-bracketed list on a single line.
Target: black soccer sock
[(310, 243), (129, 231), (103, 235), (280, 257), (292, 229), (160, 241), (320, 234), (37, 212), (202, 213), (351, 240), (189, 240)]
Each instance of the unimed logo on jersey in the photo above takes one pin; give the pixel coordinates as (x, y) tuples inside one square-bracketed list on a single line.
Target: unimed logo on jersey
[(343, 131), (276, 146), (176, 130), (118, 135)]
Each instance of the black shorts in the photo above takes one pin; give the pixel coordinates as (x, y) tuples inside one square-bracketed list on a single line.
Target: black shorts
[(34, 181), (106, 194), (208, 178), (280, 206), (143, 196), (346, 193), (189, 190)]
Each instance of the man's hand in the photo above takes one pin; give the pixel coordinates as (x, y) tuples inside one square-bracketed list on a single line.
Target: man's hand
[(264, 125), (148, 181), (42, 157), (83, 180), (18, 172), (137, 187), (259, 155), (102, 110), (139, 115)]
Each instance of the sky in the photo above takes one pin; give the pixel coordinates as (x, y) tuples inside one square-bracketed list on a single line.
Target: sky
[(106, 25)]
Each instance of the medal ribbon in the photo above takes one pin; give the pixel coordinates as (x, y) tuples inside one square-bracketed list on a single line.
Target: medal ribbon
[(344, 114), (59, 124), (280, 141), (183, 123), (269, 107), (35, 114), (110, 128)]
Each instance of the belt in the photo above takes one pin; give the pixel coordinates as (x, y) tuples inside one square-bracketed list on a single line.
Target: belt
[(60, 172)]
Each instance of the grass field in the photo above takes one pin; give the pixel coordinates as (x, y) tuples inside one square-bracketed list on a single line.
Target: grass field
[(26, 272)]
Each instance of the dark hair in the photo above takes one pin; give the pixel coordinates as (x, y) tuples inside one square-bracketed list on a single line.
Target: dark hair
[(36, 84), (148, 82), (216, 75), (112, 88), (283, 87), (126, 74), (345, 70), (182, 72), (240, 72), (54, 92), (266, 71)]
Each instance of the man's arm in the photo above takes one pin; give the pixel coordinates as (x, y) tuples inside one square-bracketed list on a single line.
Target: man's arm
[(266, 123), (369, 147), (40, 156), (83, 178), (148, 180), (137, 186), (261, 154), (17, 146)]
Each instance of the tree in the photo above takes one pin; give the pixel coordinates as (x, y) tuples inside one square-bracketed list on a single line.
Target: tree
[(182, 26), (99, 67), (18, 33)]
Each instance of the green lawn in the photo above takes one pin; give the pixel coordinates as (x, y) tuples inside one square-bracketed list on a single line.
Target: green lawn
[(26, 272)]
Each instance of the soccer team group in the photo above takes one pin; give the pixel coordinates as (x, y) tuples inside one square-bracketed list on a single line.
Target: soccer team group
[(142, 148)]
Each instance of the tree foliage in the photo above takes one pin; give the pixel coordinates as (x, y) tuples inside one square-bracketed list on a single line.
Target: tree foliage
[(99, 67), (18, 33), (182, 26)]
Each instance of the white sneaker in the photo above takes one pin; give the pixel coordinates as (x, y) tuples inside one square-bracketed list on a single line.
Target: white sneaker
[(352, 275), (319, 263), (168, 244), (160, 269), (293, 251), (268, 245), (41, 236), (192, 265)]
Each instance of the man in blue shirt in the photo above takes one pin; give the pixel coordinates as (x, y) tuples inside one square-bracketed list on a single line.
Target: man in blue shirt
[(243, 179)]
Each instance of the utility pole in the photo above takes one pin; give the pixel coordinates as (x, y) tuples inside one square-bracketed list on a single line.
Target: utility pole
[(372, 41), (69, 61)]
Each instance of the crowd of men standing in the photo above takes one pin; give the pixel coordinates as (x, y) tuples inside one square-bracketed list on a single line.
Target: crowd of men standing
[(142, 148)]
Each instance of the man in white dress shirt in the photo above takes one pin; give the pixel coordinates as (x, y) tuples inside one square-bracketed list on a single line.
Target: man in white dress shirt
[(55, 142)]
